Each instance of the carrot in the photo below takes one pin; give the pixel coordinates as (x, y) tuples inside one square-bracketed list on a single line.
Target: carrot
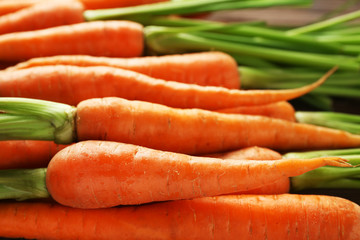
[(190, 131), (101, 174), (283, 110), (204, 68), (195, 131), (10, 6), (27, 154), (97, 38), (258, 153), (42, 15), (272, 217), (100, 4), (72, 84)]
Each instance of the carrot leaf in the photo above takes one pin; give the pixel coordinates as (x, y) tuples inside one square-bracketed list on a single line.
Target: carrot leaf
[(23, 184), (24, 118)]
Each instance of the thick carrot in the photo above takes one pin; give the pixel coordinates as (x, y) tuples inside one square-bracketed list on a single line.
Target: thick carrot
[(195, 131), (73, 84), (27, 153), (204, 68), (101, 4), (99, 38), (42, 15), (271, 217), (100, 174), (282, 110)]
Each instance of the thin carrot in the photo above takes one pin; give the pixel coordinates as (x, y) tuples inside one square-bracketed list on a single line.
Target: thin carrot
[(204, 68), (42, 15), (101, 4), (112, 173), (99, 38), (282, 110), (11, 6), (272, 217), (258, 153), (195, 131), (27, 154), (190, 131), (73, 84)]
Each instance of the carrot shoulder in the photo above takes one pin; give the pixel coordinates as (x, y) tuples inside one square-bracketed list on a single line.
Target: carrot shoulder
[(203, 68), (101, 4), (274, 217), (101, 174), (42, 15), (73, 84), (96, 38)]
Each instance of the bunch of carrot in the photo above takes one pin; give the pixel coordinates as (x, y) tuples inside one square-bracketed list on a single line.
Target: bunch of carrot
[(112, 144)]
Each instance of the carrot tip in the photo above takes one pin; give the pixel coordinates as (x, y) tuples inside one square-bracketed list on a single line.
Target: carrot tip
[(337, 162)]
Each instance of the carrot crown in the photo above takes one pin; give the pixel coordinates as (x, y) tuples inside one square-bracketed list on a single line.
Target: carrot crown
[(22, 184), (24, 118)]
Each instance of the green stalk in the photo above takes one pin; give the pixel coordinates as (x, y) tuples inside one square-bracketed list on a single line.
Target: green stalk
[(23, 184), (324, 24), (164, 41), (185, 7), (342, 121), (328, 177), (24, 118)]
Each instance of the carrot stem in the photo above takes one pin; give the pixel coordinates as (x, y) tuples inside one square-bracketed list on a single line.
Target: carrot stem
[(344, 121), (324, 24), (20, 117), (166, 40), (184, 7), (23, 184)]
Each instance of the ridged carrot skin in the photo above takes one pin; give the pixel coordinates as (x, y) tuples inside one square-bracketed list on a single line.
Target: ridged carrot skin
[(101, 4), (204, 68), (196, 131), (282, 110), (97, 38), (42, 15), (27, 153), (101, 174), (73, 84), (271, 217)]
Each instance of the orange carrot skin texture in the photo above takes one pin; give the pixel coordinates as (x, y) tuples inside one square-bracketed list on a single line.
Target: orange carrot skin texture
[(258, 153), (101, 4), (27, 153), (203, 68), (96, 38), (73, 84), (271, 217), (42, 15), (10, 6), (101, 174), (282, 110), (195, 131)]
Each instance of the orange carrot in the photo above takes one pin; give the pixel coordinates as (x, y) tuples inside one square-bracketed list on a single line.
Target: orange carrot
[(195, 131), (98, 38), (204, 68), (101, 4), (73, 84), (10, 6), (101, 174), (27, 154), (272, 217), (258, 153), (42, 15), (283, 110)]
